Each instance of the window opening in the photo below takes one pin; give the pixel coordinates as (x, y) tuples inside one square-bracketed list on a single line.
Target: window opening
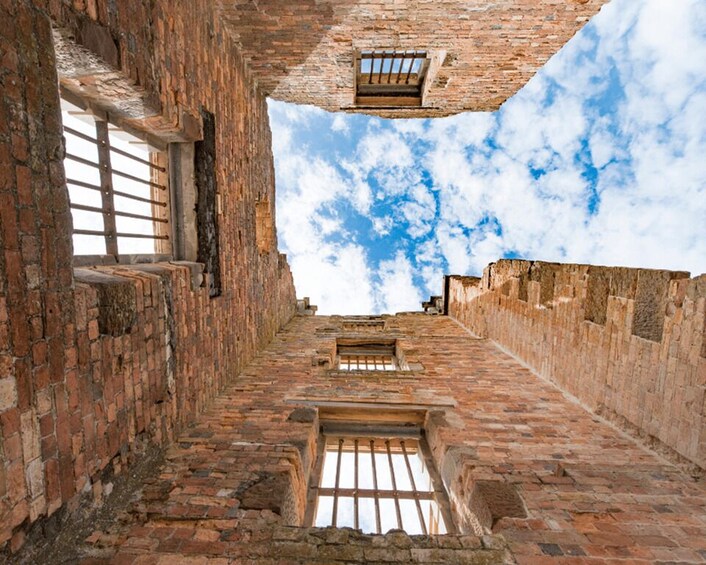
[(362, 325), (207, 203), (376, 484), (118, 189), (390, 77), (367, 357)]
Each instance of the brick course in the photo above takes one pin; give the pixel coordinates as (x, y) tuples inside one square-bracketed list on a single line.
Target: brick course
[(72, 397), (629, 343), (303, 51), (590, 493), (95, 362)]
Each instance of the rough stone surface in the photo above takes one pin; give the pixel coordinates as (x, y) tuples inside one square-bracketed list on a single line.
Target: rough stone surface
[(91, 362), (626, 342), (483, 52), (613, 499), (96, 366)]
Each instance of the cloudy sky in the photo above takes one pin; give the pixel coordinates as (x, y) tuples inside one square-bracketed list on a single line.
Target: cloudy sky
[(600, 158)]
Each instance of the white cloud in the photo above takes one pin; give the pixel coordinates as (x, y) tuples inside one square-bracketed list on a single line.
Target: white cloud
[(599, 159), (340, 124), (396, 292), (336, 278)]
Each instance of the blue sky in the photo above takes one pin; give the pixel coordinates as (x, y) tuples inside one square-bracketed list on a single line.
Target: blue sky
[(600, 158)]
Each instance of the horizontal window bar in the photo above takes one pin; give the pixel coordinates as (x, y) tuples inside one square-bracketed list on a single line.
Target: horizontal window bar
[(77, 133), (84, 184), (82, 161), (142, 235), (136, 235), (138, 179), (90, 232), (138, 159), (117, 213), (114, 149), (139, 198), (372, 493), (88, 208), (116, 192), (140, 217)]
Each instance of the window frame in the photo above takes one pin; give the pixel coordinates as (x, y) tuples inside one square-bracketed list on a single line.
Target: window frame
[(366, 359), (398, 432), (378, 355), (373, 91), (163, 227)]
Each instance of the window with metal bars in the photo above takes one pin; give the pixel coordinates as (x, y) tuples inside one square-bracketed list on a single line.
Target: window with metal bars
[(378, 482), (363, 325), (118, 190), (367, 357), (391, 78)]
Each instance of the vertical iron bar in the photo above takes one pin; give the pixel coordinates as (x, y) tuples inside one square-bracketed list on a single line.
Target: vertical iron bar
[(106, 180), (399, 71), (355, 498), (411, 66), (338, 478), (394, 485), (414, 488), (392, 60), (372, 64), (375, 487)]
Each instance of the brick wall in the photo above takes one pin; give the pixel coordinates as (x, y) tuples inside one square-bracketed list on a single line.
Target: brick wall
[(629, 343), (303, 51), (93, 359), (525, 467)]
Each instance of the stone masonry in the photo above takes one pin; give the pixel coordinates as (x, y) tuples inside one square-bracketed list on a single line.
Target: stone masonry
[(588, 492), (228, 379), (92, 359), (629, 343), (482, 52)]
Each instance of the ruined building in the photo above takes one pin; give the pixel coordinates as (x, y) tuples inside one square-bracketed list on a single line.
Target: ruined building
[(175, 403)]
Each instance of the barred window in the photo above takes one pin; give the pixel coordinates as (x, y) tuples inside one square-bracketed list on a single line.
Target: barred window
[(118, 189), (390, 78), (378, 482), (367, 357)]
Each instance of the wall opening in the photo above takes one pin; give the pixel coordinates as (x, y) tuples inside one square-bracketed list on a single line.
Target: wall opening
[(207, 203), (118, 189)]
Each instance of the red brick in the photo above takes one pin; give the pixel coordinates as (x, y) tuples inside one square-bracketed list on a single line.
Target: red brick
[(24, 185)]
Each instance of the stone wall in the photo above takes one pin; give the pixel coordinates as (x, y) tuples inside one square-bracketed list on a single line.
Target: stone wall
[(93, 358), (629, 343), (483, 52), (526, 469)]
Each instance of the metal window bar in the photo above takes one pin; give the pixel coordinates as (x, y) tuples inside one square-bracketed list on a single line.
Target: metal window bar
[(394, 484), (389, 449), (367, 362), (382, 64), (116, 193), (156, 183), (414, 487)]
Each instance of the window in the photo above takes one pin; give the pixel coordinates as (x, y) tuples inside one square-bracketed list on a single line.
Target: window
[(118, 189), (363, 325), (376, 482), (370, 356), (390, 78)]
